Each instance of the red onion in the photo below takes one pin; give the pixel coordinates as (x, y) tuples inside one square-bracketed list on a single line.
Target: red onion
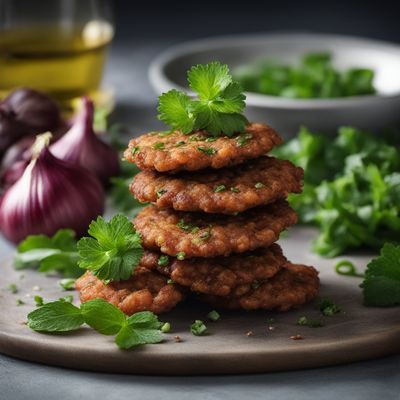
[(50, 195), (81, 146)]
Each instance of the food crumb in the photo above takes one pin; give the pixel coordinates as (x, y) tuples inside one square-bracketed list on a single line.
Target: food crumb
[(178, 339), (296, 337), (271, 328), (249, 333), (37, 288)]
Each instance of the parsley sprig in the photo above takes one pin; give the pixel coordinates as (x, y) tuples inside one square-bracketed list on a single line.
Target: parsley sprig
[(218, 108), (114, 249), (381, 286), (62, 316)]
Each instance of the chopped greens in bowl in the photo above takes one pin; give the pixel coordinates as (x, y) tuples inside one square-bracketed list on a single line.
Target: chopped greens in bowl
[(314, 77)]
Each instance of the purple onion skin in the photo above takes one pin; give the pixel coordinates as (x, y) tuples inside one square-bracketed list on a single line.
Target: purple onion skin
[(11, 130), (50, 195), (81, 146), (34, 109)]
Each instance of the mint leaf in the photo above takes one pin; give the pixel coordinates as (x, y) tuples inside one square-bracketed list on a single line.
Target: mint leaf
[(381, 286), (144, 319), (113, 251), (57, 316), (174, 110), (51, 254), (103, 316)]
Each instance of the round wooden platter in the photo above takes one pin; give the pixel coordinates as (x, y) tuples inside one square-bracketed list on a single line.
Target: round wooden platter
[(357, 333)]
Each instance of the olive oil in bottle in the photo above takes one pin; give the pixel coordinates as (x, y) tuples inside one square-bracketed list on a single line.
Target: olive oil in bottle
[(64, 61)]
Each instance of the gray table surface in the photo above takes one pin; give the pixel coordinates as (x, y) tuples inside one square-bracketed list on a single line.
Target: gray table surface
[(127, 72)]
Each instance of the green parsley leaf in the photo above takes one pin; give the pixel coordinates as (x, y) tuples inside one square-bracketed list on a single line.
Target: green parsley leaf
[(218, 108), (213, 316), (381, 286), (311, 323), (103, 316), (174, 109), (57, 316), (114, 249), (198, 328), (51, 254), (67, 283)]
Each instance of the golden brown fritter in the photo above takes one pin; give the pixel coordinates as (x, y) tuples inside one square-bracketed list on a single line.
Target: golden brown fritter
[(146, 291), (254, 183), (211, 235), (223, 276), (199, 150), (291, 287)]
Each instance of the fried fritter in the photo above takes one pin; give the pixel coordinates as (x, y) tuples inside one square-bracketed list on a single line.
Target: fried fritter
[(188, 235), (291, 287), (146, 291), (223, 276), (254, 183), (176, 152)]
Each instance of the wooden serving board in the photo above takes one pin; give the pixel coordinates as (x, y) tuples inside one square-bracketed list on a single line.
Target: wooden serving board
[(358, 333)]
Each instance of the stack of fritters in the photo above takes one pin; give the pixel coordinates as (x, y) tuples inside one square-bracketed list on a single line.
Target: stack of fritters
[(218, 208)]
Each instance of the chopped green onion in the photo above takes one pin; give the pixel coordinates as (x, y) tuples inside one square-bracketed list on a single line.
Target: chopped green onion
[(163, 261), (213, 315), (219, 188), (198, 328)]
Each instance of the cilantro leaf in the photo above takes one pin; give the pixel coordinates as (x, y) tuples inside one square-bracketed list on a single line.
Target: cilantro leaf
[(209, 80), (218, 108), (57, 316), (174, 110), (103, 316), (381, 286), (113, 251), (57, 253)]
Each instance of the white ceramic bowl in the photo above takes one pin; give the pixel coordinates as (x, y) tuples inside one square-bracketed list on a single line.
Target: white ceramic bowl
[(371, 112)]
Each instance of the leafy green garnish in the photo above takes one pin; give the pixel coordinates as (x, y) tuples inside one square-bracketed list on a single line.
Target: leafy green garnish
[(213, 316), (207, 150), (61, 316), (217, 109), (351, 188), (314, 77), (113, 251), (51, 254), (198, 328), (67, 283), (381, 286), (219, 188), (12, 287), (163, 261), (328, 308)]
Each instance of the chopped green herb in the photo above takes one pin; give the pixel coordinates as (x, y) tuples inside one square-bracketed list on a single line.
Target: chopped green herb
[(381, 286), (166, 327), (113, 250), (12, 287), (235, 190), (134, 150), (69, 298), (67, 284), (196, 138), (213, 316), (219, 188), (311, 323), (161, 192), (180, 143), (163, 261), (20, 302), (186, 226), (205, 235), (170, 282), (211, 139), (328, 308), (207, 150), (159, 146), (243, 139), (38, 301), (198, 328), (181, 255), (259, 185)]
